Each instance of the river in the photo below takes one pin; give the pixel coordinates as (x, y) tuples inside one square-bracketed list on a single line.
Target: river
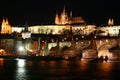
[(23, 69)]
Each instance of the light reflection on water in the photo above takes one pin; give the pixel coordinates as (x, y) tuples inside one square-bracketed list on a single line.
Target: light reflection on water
[(83, 66), (21, 69), (20, 63), (21, 73), (106, 66), (1, 61)]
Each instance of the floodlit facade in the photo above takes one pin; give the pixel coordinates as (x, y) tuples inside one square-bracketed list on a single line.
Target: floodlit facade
[(48, 29), (6, 28), (83, 29), (108, 30), (64, 18), (58, 29)]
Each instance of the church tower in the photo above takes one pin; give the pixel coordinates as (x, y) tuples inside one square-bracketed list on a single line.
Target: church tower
[(6, 27), (3, 27), (57, 20), (110, 22), (70, 14), (64, 17)]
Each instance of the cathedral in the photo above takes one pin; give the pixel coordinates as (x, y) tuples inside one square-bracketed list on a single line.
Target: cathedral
[(64, 18), (110, 22), (6, 27)]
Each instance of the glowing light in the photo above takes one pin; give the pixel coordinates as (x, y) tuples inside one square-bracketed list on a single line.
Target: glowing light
[(1, 59), (95, 36), (62, 39), (26, 35), (103, 53), (106, 40), (21, 48), (2, 52), (82, 36), (52, 40), (76, 38), (65, 38), (21, 62)]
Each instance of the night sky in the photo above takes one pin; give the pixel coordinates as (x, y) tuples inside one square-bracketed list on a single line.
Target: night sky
[(37, 12)]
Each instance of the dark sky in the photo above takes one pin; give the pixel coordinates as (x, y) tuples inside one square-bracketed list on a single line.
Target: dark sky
[(43, 11)]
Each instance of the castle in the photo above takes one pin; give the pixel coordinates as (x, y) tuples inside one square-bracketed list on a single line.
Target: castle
[(65, 22)]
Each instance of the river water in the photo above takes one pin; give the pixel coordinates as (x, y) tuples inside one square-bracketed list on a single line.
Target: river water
[(23, 69)]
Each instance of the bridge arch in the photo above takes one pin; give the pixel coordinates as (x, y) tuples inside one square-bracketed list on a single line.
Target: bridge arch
[(103, 50)]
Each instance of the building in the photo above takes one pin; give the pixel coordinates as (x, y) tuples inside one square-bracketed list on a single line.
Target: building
[(108, 30), (64, 18), (63, 23), (6, 28)]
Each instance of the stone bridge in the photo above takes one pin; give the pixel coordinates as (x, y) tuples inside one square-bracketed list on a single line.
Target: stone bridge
[(89, 48)]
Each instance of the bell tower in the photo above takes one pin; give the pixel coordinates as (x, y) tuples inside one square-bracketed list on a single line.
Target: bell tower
[(57, 20), (110, 22)]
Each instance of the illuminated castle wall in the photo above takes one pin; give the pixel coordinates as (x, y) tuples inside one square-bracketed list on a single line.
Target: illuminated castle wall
[(110, 29), (62, 22), (6, 27), (60, 27), (48, 29)]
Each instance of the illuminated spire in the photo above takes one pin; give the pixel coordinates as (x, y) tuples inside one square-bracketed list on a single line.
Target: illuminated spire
[(110, 22), (7, 21), (64, 9), (57, 19), (71, 14), (3, 26), (3, 22), (64, 17)]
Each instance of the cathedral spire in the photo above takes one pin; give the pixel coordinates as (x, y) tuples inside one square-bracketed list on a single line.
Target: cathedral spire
[(3, 22), (64, 17), (71, 14), (7, 21), (112, 22), (64, 9), (3, 26), (56, 18)]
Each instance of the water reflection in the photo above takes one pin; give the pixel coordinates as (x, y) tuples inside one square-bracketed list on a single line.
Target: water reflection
[(105, 70), (106, 66), (20, 63), (21, 73), (83, 66), (52, 64), (1, 61), (43, 62), (23, 69)]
